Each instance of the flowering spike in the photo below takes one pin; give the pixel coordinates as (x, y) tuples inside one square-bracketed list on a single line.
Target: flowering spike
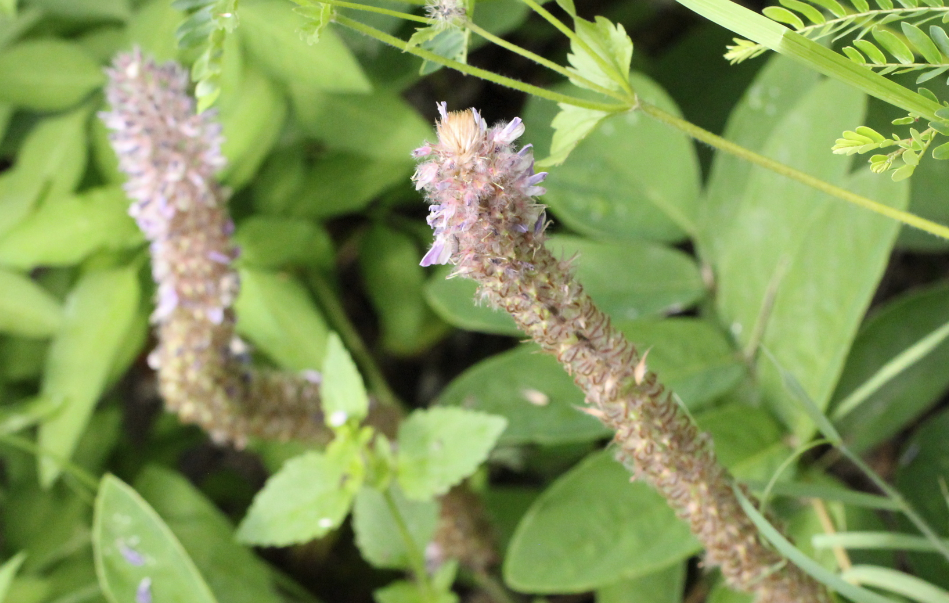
[(489, 226)]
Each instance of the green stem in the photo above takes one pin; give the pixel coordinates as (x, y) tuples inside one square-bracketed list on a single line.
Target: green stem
[(338, 318), (487, 35), (74, 470), (416, 558), (475, 71), (606, 66), (376, 9), (776, 166), (904, 506)]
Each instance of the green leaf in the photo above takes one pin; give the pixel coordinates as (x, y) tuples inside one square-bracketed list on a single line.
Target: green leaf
[(266, 31), (439, 447), (941, 152), (97, 316), (233, 572), (663, 586), (563, 544), (47, 75), (897, 582), (921, 42), (813, 15), (530, 390), (377, 533), (871, 50), (893, 44), (270, 242), (54, 153), (568, 6), (277, 314), (451, 43), (344, 393), (854, 55), (892, 329), (306, 499), (26, 413), (252, 120), (64, 232), (748, 441), (610, 43), (571, 125), (403, 591), (85, 10), (617, 183), (783, 15), (7, 571), (940, 37), (778, 290), (135, 552), (454, 300), (153, 28), (27, 309)]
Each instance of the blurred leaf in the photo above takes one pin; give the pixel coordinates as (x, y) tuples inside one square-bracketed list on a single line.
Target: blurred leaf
[(897, 582), (153, 28), (692, 357), (277, 314), (55, 152), (97, 315), (592, 528), (500, 16), (377, 533), (22, 358), (7, 571), (135, 552), (618, 182), (748, 441), (106, 162), (103, 43), (233, 572), (27, 413), (267, 30), (47, 75), (272, 242), (663, 586), (439, 447), (890, 330), (85, 10), (403, 591), (26, 308), (773, 264), (252, 121), (18, 193), (532, 391), (307, 498), (64, 232), (344, 393), (281, 179), (928, 201), (394, 280), (455, 301)]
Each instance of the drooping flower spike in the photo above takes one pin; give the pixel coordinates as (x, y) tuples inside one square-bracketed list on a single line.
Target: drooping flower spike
[(489, 226)]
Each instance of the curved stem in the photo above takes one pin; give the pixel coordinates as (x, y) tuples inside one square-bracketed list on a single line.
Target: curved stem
[(375, 9), (475, 71), (776, 166), (487, 35)]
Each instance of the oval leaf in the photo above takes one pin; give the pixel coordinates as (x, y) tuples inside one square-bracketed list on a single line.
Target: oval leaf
[(26, 308), (47, 75)]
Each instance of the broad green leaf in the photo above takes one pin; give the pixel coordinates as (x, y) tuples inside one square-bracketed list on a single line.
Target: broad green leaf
[(403, 591), (922, 42), (748, 441), (86, 10), (610, 43), (233, 572), (692, 357), (267, 32), (103, 43), (394, 281), (455, 301), (532, 391), (618, 183), (439, 447), (153, 28), (18, 194), (54, 153), (252, 121), (777, 88), (47, 74), (790, 253), (272, 243), (663, 586), (27, 309), (380, 125), (277, 314), (593, 528), (7, 571), (920, 478), (306, 499), (97, 316), (344, 393), (64, 232), (136, 553), (377, 534), (891, 330)]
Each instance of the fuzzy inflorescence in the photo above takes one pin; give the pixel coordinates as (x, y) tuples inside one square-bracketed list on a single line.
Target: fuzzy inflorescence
[(170, 155), (489, 226)]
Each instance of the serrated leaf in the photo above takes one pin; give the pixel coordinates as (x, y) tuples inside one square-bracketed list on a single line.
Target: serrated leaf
[(571, 125), (893, 44), (136, 553), (921, 42), (874, 53), (377, 533), (317, 19), (610, 43), (26, 309), (343, 390), (47, 74), (97, 316), (451, 43), (306, 499), (562, 544), (439, 447), (277, 314), (783, 15)]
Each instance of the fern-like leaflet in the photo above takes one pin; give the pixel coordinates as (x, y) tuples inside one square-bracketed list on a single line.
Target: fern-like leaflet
[(206, 26)]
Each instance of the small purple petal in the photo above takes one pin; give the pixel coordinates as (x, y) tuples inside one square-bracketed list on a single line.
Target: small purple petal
[(540, 223), (312, 376), (220, 258), (143, 594), (510, 132), (215, 315), (537, 178), (527, 149), (424, 151), (520, 228), (438, 254), (425, 174), (131, 556), (442, 109)]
